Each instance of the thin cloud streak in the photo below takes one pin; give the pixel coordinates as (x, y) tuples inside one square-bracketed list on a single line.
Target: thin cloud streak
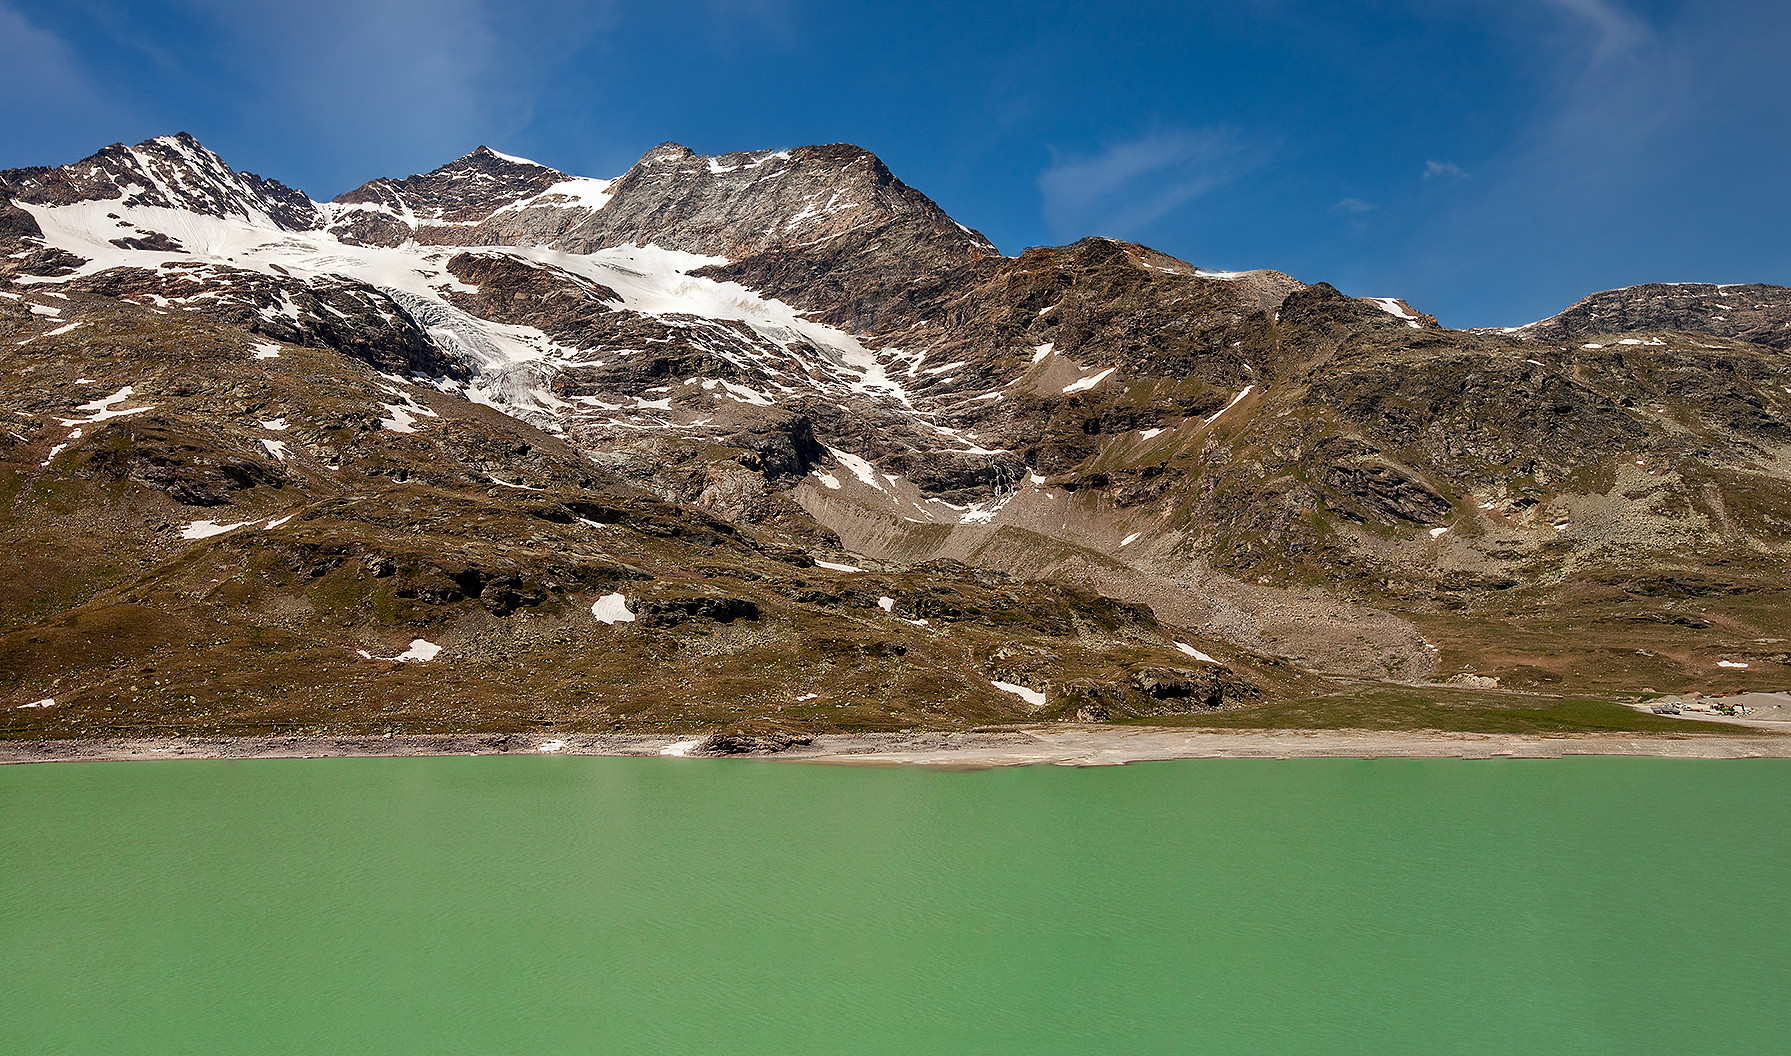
[(1131, 183), (47, 89), (1616, 29)]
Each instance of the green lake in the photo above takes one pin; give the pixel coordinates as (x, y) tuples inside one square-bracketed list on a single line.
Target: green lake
[(584, 905)]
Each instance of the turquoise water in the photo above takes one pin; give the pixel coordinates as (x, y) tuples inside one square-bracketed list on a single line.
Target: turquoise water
[(578, 905)]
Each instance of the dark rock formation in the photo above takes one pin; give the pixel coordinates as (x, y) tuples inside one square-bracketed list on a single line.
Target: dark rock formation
[(1745, 311)]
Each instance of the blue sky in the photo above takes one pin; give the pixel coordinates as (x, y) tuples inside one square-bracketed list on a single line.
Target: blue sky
[(1489, 160)]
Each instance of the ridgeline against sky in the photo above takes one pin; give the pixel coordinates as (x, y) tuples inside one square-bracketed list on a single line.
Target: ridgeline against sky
[(1487, 161)]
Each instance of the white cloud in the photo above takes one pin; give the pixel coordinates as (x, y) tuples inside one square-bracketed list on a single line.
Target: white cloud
[(1443, 170), (1131, 183), (1353, 207)]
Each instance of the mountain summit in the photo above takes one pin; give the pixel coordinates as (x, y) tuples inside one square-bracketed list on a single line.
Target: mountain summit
[(767, 437)]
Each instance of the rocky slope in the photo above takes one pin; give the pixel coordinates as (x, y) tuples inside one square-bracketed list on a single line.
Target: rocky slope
[(1100, 477), (1751, 312)]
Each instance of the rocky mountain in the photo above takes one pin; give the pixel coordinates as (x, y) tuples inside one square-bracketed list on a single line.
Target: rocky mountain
[(805, 429), (1751, 312)]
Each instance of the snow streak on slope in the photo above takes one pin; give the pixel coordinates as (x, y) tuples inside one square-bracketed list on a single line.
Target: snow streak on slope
[(596, 373), (511, 364), (655, 282)]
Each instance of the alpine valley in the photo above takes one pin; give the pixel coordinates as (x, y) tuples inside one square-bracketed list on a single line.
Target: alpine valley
[(766, 444)]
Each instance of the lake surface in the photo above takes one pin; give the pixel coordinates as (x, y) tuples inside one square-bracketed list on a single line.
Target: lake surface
[(585, 905)]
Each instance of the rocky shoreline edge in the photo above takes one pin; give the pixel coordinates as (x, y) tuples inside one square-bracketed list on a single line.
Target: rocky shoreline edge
[(1063, 745)]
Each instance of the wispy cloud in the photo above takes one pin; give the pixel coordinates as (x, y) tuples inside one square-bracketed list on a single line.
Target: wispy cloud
[(1615, 29), (1353, 207), (1443, 170), (1133, 182), (418, 80), (46, 88)]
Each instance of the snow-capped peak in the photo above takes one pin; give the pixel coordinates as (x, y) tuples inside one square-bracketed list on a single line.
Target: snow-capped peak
[(511, 158), (168, 172)]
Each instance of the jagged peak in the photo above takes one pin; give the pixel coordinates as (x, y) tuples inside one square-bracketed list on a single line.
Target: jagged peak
[(487, 152), (169, 171), (465, 190), (667, 153)]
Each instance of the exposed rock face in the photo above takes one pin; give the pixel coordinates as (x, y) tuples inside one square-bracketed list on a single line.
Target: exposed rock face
[(459, 194), (734, 205), (737, 205), (1745, 311), (342, 314)]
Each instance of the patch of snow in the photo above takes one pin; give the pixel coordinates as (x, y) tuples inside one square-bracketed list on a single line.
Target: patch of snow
[(807, 696), (1030, 696), (738, 393), (1437, 533), (1234, 402), (886, 603), (831, 482), (681, 748), (207, 529), (507, 484), (612, 609), (1392, 307), (47, 702), (420, 652), (276, 448), (836, 567), (1088, 383), (65, 328), (549, 747), (1729, 663), (1130, 539), (860, 468), (1195, 653), (513, 159), (273, 425), (278, 521), (266, 350), (983, 513), (401, 420), (45, 309), (1149, 434), (102, 409), (1039, 352)]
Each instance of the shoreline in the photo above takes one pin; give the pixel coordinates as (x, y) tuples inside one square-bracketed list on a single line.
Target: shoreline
[(1061, 745)]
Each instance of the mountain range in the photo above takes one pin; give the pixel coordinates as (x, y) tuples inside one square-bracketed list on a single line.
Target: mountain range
[(767, 442)]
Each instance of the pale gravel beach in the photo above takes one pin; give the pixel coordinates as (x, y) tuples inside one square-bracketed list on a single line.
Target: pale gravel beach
[(1060, 745)]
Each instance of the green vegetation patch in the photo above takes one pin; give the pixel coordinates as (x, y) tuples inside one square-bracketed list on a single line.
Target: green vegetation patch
[(1415, 708)]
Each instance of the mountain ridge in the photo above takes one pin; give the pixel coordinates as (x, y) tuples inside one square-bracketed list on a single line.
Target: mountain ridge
[(799, 346)]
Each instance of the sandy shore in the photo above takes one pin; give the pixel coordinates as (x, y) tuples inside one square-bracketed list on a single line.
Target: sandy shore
[(1063, 745)]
